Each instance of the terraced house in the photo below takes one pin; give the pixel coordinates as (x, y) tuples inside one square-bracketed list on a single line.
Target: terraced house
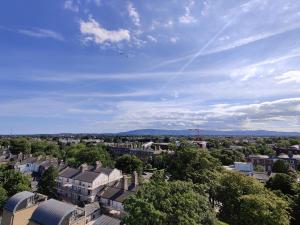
[(82, 184)]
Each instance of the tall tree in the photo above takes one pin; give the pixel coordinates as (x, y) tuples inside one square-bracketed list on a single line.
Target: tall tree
[(169, 203), (47, 183), (3, 196), (129, 163), (18, 145), (263, 209), (281, 166), (13, 181), (232, 187), (190, 163), (283, 182)]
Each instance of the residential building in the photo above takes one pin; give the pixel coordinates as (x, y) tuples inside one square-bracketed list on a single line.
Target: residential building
[(243, 167), (261, 160), (82, 184), (20, 207), (141, 153), (113, 196)]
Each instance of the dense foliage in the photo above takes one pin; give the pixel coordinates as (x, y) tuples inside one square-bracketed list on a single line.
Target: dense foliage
[(228, 156), (246, 201), (190, 163), (11, 182), (128, 164), (281, 166), (47, 182), (169, 203)]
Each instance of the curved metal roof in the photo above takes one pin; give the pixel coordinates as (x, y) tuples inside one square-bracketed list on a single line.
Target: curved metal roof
[(52, 212), (14, 201)]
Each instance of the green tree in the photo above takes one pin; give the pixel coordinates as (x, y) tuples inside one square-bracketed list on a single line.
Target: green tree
[(228, 156), (53, 149), (189, 163), (13, 181), (158, 175), (47, 183), (91, 154), (3, 196), (281, 166), (20, 145), (38, 146), (296, 210), (263, 209), (129, 163), (4, 142), (232, 187), (169, 203), (283, 182)]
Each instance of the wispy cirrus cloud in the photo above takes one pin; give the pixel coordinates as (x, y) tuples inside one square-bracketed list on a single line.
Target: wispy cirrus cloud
[(292, 76), (41, 33)]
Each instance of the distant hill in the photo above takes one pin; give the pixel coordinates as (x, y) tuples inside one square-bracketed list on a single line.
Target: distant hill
[(154, 132)]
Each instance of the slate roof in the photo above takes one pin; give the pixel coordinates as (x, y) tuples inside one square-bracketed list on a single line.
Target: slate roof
[(116, 193), (52, 212), (87, 176), (106, 171), (69, 172), (29, 160), (14, 201), (107, 220)]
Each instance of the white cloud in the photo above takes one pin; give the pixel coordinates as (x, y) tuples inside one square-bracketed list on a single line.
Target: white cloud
[(161, 24), (187, 18), (174, 39), (280, 115), (134, 15), (151, 38), (70, 5), (292, 76), (92, 31), (42, 33)]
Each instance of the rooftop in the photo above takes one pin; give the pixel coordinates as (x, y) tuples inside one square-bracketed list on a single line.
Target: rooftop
[(53, 212)]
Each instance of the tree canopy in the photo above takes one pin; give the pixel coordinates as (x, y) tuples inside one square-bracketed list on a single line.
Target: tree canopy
[(281, 166), (18, 145), (169, 203), (284, 183), (129, 163), (190, 163), (263, 209), (12, 182), (233, 186), (47, 182)]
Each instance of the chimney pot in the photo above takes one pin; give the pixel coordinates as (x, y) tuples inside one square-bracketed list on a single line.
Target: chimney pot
[(125, 183), (83, 167), (135, 178)]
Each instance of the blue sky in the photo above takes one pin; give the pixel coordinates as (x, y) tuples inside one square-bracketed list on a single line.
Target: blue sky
[(116, 65)]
